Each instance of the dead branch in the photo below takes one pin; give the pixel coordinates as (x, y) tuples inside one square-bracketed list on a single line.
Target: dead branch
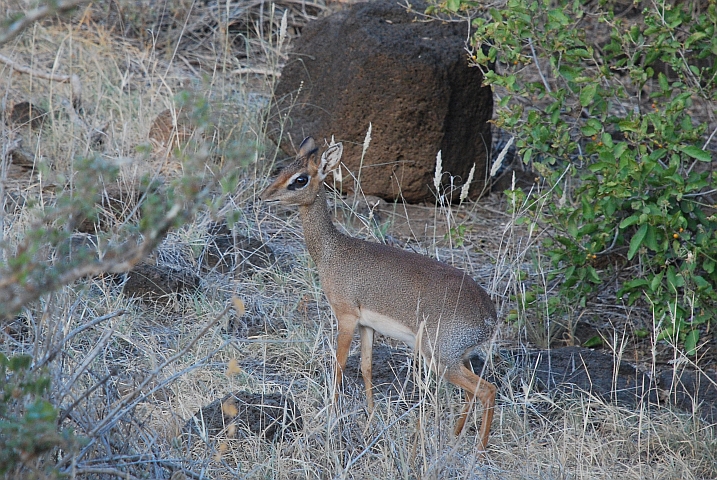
[(73, 79), (119, 264), (16, 26), (127, 403), (103, 471)]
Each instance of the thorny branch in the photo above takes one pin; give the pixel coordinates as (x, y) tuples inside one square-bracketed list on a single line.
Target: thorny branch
[(20, 23), (129, 401), (14, 298), (73, 79)]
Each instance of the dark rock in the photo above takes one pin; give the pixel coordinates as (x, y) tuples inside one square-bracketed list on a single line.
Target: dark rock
[(410, 79), (26, 114), (688, 389), (574, 370), (171, 129), (115, 204), (159, 282), (392, 375), (224, 249), (269, 415)]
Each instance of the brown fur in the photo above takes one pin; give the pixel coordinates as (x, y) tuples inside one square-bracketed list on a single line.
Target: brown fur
[(410, 297)]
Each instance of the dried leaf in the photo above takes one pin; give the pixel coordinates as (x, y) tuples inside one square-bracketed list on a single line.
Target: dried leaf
[(238, 306), (233, 367), (229, 409)]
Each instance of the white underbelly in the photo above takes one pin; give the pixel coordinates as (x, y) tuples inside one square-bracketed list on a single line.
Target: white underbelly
[(388, 326)]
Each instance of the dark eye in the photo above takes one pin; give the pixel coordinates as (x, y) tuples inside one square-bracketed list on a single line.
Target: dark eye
[(299, 182)]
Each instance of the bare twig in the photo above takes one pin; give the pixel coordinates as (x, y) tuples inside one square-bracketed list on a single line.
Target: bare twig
[(537, 64), (94, 322), (120, 264), (707, 143), (377, 438), (52, 353), (131, 459), (89, 358), (103, 471), (73, 79), (16, 26), (258, 71), (119, 410), (129, 401), (66, 412)]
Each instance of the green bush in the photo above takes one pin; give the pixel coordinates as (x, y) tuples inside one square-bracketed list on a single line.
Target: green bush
[(28, 427), (624, 136)]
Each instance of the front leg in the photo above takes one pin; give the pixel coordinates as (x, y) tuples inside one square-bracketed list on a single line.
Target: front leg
[(366, 334), (347, 327)]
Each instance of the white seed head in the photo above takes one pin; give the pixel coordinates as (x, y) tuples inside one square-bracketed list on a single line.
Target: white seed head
[(439, 171), (467, 186), (499, 161), (367, 140)]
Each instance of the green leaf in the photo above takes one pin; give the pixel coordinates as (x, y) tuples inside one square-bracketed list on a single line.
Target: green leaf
[(558, 16), (592, 342), (651, 238), (453, 5), (666, 334), (697, 153), (674, 279), (592, 275), (636, 283), (569, 72), (662, 79), (527, 155), (642, 332), (587, 94), (572, 224), (20, 362), (569, 272), (636, 241), (691, 342), (591, 127), (701, 282), (631, 220), (41, 411), (620, 148), (656, 281)]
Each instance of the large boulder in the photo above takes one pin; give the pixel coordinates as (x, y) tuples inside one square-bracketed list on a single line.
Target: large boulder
[(375, 62)]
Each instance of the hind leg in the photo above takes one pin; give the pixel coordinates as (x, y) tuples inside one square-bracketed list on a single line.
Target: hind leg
[(474, 386)]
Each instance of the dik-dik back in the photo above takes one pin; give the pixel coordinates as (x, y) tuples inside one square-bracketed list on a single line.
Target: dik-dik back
[(427, 304), (456, 314)]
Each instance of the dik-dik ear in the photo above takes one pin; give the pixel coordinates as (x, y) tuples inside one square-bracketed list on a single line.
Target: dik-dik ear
[(307, 148), (330, 159)]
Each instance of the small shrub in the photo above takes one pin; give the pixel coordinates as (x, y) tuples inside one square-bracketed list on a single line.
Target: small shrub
[(624, 135), (28, 421)]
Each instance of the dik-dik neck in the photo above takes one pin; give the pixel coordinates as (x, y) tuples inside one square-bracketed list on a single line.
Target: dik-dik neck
[(320, 233)]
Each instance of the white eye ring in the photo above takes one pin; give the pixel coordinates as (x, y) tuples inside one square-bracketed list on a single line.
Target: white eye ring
[(299, 181)]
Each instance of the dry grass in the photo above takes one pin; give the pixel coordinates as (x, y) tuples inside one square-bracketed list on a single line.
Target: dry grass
[(139, 371)]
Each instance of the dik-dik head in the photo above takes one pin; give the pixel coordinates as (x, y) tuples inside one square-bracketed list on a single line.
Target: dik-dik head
[(299, 182)]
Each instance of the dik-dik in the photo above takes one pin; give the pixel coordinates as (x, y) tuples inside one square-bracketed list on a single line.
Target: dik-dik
[(429, 305)]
